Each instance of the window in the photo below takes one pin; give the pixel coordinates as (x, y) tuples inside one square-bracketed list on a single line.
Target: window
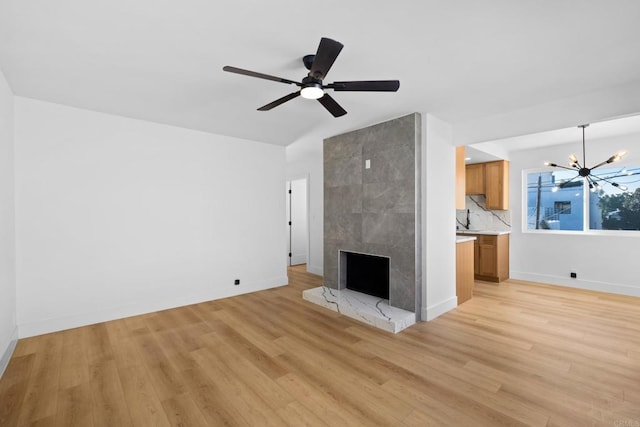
[(563, 207), (553, 208), (556, 200), (614, 209)]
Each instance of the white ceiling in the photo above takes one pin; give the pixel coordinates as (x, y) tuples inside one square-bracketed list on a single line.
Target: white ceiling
[(491, 68), (598, 131)]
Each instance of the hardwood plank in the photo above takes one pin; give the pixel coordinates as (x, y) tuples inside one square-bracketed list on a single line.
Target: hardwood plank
[(143, 403), (74, 368), (251, 375), (42, 391), (108, 401), (253, 409), (13, 388), (296, 414), (27, 346), (74, 406), (212, 398), (182, 411)]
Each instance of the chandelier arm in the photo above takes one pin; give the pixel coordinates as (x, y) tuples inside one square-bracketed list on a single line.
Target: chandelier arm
[(600, 178), (600, 164), (560, 166), (566, 182)]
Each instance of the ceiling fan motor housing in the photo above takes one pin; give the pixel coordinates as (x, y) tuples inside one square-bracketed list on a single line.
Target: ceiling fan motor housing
[(308, 61)]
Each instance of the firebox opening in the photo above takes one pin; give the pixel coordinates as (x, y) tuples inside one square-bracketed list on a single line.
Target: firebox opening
[(365, 273)]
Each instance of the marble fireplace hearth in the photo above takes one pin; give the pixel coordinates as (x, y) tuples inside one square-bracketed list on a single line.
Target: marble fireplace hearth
[(365, 308)]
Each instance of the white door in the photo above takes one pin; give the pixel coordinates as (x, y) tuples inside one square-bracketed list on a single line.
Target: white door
[(297, 240)]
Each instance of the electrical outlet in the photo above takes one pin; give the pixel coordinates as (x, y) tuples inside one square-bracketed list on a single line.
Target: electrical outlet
[(573, 275), (236, 282)]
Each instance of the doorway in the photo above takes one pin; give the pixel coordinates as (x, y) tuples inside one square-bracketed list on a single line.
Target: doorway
[(297, 220)]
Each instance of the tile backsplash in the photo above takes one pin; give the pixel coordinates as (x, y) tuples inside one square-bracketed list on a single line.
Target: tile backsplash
[(481, 218)]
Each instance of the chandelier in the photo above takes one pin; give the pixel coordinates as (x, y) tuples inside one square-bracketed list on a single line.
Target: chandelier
[(583, 171)]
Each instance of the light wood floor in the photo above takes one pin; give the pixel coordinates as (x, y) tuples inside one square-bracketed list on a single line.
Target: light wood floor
[(516, 354)]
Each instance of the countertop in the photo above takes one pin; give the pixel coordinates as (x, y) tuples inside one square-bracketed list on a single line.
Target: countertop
[(487, 232), (462, 239)]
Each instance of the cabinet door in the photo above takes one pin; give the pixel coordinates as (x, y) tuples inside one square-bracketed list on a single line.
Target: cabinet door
[(488, 261), (475, 180), (497, 185), (464, 272), (488, 256)]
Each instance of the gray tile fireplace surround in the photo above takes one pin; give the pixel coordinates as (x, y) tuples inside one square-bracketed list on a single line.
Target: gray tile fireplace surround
[(376, 210)]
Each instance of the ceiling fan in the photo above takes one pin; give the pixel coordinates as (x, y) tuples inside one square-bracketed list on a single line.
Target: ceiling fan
[(312, 87)]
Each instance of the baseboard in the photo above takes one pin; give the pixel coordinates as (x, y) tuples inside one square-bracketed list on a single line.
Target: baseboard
[(314, 269), (591, 285), (6, 356), (44, 326), (435, 310)]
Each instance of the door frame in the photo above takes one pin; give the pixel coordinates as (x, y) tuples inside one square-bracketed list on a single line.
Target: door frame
[(297, 177)]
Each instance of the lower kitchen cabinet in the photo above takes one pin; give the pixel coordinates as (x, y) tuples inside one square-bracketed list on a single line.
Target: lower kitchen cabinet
[(491, 254), (464, 271)]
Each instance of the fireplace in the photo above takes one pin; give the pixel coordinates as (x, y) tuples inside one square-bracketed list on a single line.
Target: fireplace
[(365, 273)]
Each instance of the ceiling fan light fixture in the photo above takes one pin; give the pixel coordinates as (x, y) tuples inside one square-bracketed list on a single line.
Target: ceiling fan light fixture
[(313, 91)]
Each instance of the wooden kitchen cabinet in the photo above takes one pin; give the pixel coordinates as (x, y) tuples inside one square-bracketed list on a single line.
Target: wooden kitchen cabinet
[(464, 270), (460, 178), (474, 179), (496, 185), (490, 179), (491, 257)]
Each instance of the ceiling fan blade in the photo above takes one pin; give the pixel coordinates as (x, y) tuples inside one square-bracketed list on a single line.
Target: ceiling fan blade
[(366, 86), (331, 105), (277, 102), (326, 55), (258, 75)]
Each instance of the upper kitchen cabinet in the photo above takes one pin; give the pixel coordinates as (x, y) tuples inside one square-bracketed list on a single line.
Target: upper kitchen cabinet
[(460, 178), (475, 180), (496, 182), (492, 180)]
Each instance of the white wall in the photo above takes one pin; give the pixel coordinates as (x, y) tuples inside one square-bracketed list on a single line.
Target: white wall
[(116, 217), (304, 160), (604, 262), (8, 330), (438, 218)]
